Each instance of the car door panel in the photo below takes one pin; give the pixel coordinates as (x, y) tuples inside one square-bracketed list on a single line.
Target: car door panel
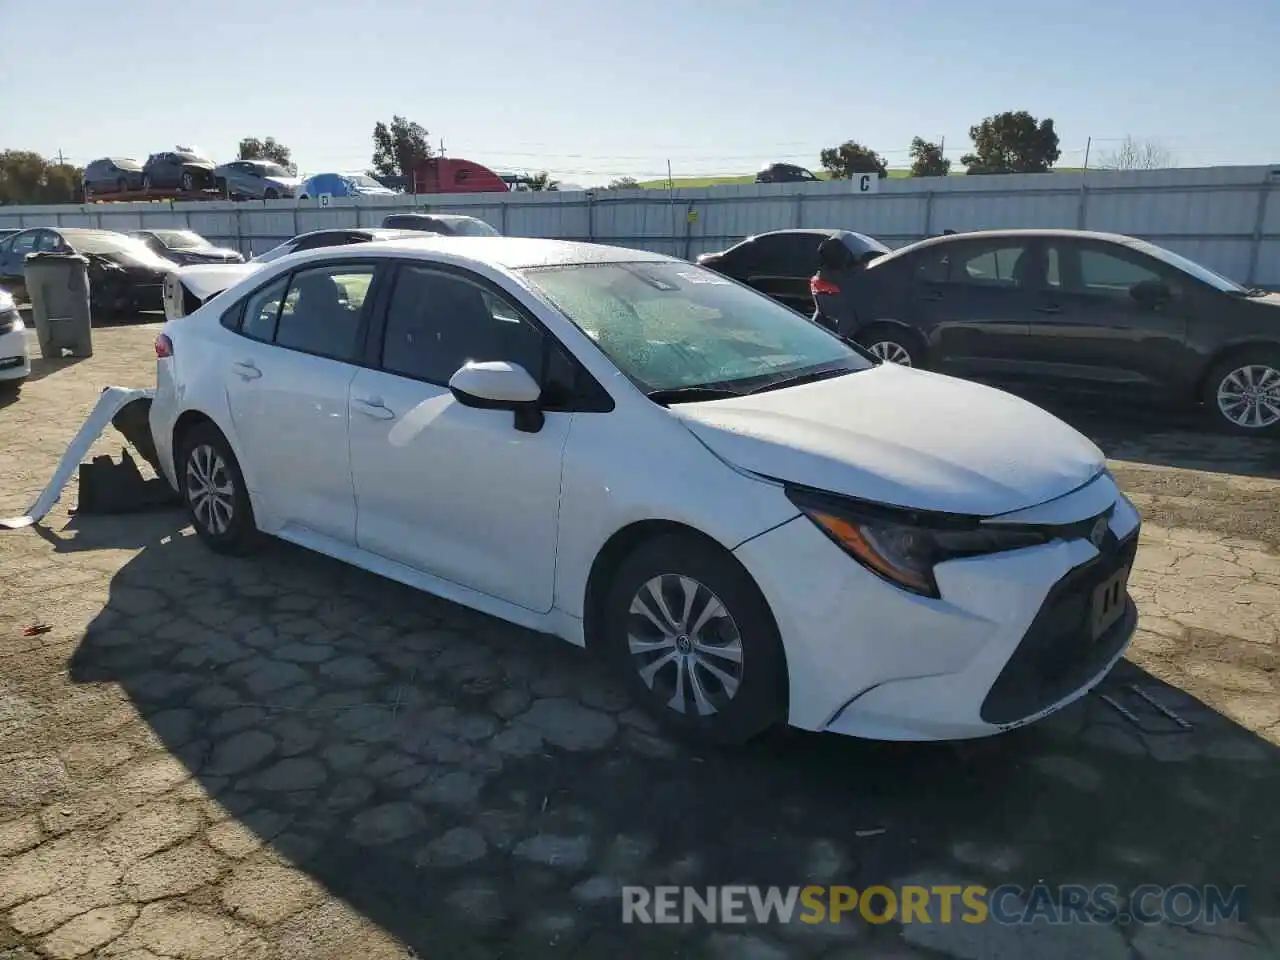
[(971, 308), (1090, 329), (454, 491)]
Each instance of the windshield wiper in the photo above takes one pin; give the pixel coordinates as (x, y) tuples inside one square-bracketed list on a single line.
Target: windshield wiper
[(691, 394), (810, 377)]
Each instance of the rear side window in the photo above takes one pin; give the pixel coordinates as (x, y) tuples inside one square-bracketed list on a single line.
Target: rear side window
[(262, 309), (321, 312)]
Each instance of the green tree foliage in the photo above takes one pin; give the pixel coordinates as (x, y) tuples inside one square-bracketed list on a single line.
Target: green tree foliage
[(399, 147), (251, 148), (851, 158), (1012, 142), (927, 159), (543, 181), (28, 177)]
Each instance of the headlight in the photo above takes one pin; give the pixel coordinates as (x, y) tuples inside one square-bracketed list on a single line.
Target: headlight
[(903, 546), (10, 320)]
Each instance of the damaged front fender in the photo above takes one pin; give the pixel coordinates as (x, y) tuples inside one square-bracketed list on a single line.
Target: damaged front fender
[(128, 410)]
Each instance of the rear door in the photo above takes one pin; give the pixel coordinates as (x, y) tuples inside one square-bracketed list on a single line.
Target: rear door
[(973, 300), (11, 264), (1090, 328)]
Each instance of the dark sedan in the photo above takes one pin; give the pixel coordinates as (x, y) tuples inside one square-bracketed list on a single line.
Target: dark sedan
[(124, 275), (781, 263), (112, 175), (178, 170), (1070, 308), (185, 247)]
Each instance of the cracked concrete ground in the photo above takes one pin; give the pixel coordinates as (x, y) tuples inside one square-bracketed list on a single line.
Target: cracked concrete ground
[(281, 758)]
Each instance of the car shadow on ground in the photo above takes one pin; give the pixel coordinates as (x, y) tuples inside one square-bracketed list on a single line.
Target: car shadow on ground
[(481, 791), (1161, 435)]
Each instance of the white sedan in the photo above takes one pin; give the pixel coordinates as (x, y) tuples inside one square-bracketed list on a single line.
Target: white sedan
[(15, 357), (752, 521)]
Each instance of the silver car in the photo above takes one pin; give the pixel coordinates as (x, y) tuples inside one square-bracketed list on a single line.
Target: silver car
[(256, 180)]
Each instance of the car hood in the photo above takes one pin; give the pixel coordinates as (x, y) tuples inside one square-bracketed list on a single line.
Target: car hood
[(199, 164), (207, 279), (292, 182), (903, 437), (206, 255)]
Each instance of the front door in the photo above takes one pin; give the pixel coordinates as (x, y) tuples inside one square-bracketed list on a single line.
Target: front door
[(781, 265), (454, 491), (288, 382), (973, 300), (1090, 327)]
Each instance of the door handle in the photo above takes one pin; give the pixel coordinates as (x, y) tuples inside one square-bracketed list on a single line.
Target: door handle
[(1049, 308), (245, 370), (374, 407), (931, 295)]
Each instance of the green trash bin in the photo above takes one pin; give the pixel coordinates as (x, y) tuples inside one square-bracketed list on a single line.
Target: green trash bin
[(58, 287)]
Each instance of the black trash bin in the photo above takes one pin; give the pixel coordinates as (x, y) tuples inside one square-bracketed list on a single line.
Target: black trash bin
[(58, 287)]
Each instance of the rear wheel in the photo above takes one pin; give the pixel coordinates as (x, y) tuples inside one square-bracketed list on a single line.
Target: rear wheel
[(691, 635), (1243, 392), (122, 185), (214, 491), (892, 346), (271, 194), (188, 181)]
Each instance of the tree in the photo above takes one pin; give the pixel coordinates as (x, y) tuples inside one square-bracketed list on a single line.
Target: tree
[(543, 181), (1012, 142), (927, 159), (27, 177), (1137, 155), (251, 148), (851, 158), (398, 148), (624, 183)]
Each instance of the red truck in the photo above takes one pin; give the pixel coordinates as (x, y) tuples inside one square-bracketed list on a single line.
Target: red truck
[(450, 175)]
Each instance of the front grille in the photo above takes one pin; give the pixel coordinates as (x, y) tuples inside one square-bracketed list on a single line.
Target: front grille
[(11, 362), (1057, 655)]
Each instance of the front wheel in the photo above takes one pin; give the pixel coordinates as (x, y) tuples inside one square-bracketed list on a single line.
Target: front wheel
[(692, 636), (1243, 393), (892, 346), (214, 491)]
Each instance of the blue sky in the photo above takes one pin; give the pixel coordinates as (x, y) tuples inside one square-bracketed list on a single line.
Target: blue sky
[(595, 90)]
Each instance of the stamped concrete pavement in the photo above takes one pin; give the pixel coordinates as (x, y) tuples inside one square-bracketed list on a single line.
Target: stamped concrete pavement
[(281, 757)]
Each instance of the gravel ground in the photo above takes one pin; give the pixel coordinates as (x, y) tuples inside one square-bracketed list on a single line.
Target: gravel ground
[(280, 757)]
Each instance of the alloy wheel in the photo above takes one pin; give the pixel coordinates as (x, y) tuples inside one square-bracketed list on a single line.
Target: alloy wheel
[(1249, 396), (210, 490), (685, 645), (890, 352)]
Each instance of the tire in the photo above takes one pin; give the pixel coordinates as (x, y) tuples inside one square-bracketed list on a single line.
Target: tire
[(122, 185), (271, 194), (731, 712), (892, 345), (204, 450), (9, 389), (146, 181), (187, 182), (1230, 385)]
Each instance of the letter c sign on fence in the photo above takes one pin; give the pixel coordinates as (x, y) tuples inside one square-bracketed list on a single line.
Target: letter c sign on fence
[(866, 182)]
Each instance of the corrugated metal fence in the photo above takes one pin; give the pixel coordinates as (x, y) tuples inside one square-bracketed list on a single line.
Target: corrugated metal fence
[(1223, 217)]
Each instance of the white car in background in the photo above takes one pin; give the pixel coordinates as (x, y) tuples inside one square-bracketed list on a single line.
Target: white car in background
[(15, 357), (751, 520)]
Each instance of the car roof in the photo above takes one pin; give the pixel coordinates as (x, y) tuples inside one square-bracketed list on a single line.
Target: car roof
[(1118, 238), (813, 231), (511, 253), (83, 232)]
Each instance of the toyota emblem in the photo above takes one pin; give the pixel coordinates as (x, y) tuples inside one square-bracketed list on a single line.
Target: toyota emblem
[(1099, 531)]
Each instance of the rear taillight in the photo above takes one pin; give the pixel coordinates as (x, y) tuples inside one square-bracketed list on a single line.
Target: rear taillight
[(164, 347), (817, 285)]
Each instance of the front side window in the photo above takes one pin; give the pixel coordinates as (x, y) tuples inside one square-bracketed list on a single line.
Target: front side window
[(1109, 275), (674, 325), (322, 310), (438, 322)]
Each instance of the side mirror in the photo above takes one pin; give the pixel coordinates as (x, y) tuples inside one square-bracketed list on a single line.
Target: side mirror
[(499, 385), (1150, 293)]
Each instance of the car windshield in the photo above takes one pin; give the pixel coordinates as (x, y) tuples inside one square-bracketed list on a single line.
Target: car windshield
[(1201, 273), (181, 239), (365, 183), (106, 243), (675, 326), (861, 244), (268, 169)]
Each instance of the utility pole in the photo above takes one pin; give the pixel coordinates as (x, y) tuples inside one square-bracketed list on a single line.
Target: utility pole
[(61, 159)]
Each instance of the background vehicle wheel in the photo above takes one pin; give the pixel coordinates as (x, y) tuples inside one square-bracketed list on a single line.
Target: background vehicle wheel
[(146, 181), (188, 182), (214, 491), (1243, 393), (694, 639), (122, 185), (892, 346), (271, 194)]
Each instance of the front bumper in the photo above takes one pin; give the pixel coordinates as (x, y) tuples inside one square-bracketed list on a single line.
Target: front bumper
[(1005, 645), (15, 358)]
